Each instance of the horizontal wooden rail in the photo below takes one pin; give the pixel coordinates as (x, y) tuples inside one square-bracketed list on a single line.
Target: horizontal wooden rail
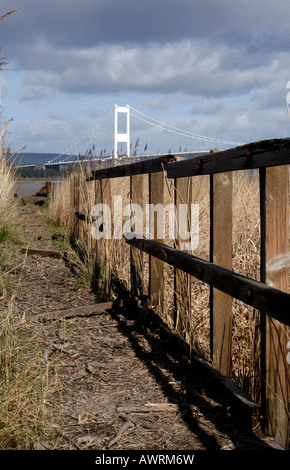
[(266, 153), (145, 166), (268, 300), (262, 154), (85, 217)]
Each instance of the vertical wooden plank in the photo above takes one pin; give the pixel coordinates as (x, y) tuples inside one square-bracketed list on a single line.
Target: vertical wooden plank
[(156, 273), (262, 176), (136, 255), (75, 233), (108, 243), (82, 207), (103, 245), (275, 244), (90, 204), (80, 196), (52, 194), (221, 254), (93, 202), (48, 187), (100, 245), (182, 281), (72, 202), (86, 210)]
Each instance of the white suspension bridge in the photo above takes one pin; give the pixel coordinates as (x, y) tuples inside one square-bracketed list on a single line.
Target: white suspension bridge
[(143, 137)]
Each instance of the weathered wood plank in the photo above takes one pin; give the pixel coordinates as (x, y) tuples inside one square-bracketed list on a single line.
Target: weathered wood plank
[(86, 310), (45, 253), (108, 243), (145, 166), (53, 190), (156, 273), (82, 216), (158, 408), (90, 219), (275, 236), (136, 256), (267, 299), (82, 206), (221, 254), (261, 154), (75, 232), (182, 281), (72, 201), (100, 245)]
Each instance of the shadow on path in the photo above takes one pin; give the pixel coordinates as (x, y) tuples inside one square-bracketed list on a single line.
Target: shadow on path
[(212, 417)]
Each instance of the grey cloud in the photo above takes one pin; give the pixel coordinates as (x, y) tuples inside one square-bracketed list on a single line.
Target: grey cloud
[(209, 106), (87, 23), (169, 68), (201, 47)]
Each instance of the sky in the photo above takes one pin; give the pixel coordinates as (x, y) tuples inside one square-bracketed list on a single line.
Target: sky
[(216, 72)]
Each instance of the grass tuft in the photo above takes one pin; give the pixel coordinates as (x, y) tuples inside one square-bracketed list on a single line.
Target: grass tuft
[(22, 411)]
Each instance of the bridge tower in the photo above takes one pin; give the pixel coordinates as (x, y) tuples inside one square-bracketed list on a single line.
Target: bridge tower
[(122, 137)]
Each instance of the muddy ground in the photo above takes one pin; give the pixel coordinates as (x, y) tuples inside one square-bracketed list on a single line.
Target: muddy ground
[(110, 383)]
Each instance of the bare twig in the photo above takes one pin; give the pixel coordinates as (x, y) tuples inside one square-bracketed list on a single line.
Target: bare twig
[(120, 433)]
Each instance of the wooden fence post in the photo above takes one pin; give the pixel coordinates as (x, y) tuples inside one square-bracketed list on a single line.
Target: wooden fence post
[(108, 242), (76, 197), (156, 273), (82, 206), (182, 281), (53, 189), (100, 249), (93, 240), (136, 255), (103, 246), (221, 254), (72, 202), (275, 336)]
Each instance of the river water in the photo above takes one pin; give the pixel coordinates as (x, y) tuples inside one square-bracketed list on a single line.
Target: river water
[(28, 188)]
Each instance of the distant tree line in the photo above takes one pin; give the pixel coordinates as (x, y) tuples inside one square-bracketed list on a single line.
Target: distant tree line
[(45, 173)]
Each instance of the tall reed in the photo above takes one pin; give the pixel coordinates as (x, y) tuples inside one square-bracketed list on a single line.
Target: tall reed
[(8, 178)]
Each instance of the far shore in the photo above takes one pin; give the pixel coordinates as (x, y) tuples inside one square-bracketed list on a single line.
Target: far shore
[(28, 187)]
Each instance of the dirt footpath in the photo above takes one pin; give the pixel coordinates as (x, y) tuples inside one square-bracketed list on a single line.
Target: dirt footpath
[(109, 384)]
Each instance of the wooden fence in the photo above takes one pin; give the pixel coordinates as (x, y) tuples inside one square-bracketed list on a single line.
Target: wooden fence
[(271, 159)]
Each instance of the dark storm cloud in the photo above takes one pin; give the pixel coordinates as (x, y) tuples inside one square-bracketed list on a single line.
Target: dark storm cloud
[(75, 23), (89, 22)]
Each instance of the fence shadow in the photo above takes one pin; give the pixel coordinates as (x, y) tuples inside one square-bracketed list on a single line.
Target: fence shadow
[(194, 391)]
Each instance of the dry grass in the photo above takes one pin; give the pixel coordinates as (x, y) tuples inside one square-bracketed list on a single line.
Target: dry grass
[(8, 203), (22, 392), (2, 18), (245, 259), (61, 205)]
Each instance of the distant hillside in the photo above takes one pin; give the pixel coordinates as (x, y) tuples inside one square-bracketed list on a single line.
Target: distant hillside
[(38, 158)]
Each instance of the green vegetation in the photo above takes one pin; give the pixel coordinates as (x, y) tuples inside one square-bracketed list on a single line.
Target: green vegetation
[(39, 173), (5, 233), (8, 234), (60, 235), (21, 389)]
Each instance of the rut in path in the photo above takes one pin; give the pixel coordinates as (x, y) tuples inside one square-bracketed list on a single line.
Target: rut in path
[(110, 384)]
